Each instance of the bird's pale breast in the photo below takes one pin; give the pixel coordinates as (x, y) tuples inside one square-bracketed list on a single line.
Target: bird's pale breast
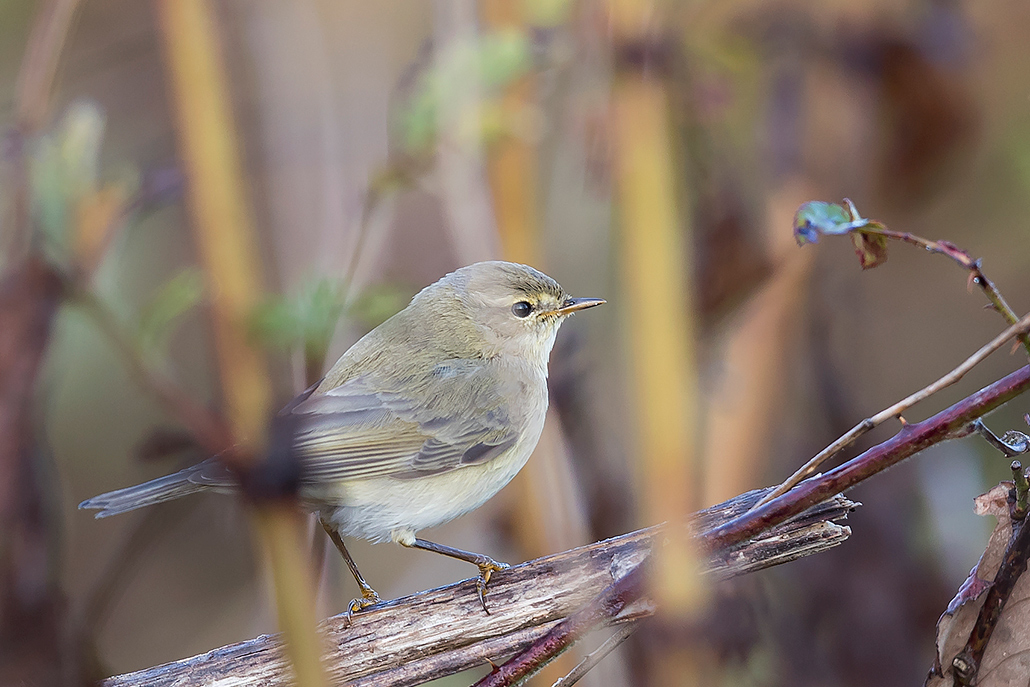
[(382, 508)]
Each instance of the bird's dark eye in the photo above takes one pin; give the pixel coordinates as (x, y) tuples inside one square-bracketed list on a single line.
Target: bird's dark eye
[(522, 309)]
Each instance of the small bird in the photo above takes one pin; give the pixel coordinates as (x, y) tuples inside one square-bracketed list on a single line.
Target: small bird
[(422, 420)]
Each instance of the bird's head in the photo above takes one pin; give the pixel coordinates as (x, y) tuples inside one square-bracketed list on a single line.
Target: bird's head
[(514, 308)]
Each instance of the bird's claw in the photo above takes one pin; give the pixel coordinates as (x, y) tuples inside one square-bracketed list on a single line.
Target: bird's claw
[(369, 597), (486, 569)]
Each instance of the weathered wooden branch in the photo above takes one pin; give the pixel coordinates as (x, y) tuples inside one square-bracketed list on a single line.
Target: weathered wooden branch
[(442, 631)]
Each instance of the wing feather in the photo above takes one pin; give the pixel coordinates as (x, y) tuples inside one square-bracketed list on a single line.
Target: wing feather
[(364, 429)]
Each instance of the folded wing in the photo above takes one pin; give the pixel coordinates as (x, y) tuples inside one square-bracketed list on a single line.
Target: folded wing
[(362, 429)]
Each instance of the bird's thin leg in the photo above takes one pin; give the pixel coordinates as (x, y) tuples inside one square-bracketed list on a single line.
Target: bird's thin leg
[(369, 597), (485, 564)]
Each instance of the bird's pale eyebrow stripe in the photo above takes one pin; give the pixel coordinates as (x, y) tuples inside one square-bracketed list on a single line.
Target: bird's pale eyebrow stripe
[(533, 289)]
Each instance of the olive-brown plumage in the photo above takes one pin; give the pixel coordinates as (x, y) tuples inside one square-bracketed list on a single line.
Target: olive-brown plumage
[(423, 419)]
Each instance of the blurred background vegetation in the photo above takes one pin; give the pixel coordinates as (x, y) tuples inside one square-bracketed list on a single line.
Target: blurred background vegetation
[(652, 154)]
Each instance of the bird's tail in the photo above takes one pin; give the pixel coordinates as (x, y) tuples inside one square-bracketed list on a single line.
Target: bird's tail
[(147, 494)]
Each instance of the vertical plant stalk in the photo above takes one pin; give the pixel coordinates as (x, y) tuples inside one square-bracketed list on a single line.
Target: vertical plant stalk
[(543, 523), (657, 290), (31, 605), (33, 610), (512, 164), (228, 250)]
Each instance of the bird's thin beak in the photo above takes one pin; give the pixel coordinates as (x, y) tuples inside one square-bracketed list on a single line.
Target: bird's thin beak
[(571, 305)]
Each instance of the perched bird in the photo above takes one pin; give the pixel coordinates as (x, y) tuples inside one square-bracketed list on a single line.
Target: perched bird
[(422, 420)]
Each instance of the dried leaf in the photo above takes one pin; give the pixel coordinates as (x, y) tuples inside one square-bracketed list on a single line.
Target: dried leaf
[(871, 248), (492, 61), (1006, 662)]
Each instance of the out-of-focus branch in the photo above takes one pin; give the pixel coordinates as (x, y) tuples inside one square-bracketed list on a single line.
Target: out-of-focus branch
[(229, 253), (39, 65), (657, 281), (32, 103), (443, 631), (31, 607)]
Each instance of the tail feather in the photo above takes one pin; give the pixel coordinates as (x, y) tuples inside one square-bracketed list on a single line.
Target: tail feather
[(147, 494)]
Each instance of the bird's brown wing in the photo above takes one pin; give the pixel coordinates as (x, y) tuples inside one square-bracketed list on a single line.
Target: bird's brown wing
[(364, 429)]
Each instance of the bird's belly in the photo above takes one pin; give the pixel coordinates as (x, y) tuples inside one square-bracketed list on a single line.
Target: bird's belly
[(376, 508)]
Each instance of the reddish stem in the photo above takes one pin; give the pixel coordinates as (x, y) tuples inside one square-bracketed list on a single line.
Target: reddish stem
[(950, 423)]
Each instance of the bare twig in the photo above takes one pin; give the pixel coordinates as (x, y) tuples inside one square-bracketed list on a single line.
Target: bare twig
[(948, 249), (896, 410), (622, 633), (951, 423), (439, 632)]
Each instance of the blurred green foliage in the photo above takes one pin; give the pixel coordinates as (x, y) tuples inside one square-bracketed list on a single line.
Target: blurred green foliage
[(64, 168), (154, 323), (492, 61), (306, 320)]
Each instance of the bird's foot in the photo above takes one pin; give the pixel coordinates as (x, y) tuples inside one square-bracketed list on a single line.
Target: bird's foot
[(487, 566), (369, 597)]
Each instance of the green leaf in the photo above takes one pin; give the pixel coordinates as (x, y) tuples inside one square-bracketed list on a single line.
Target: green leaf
[(319, 308), (492, 62), (816, 218), (178, 295)]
